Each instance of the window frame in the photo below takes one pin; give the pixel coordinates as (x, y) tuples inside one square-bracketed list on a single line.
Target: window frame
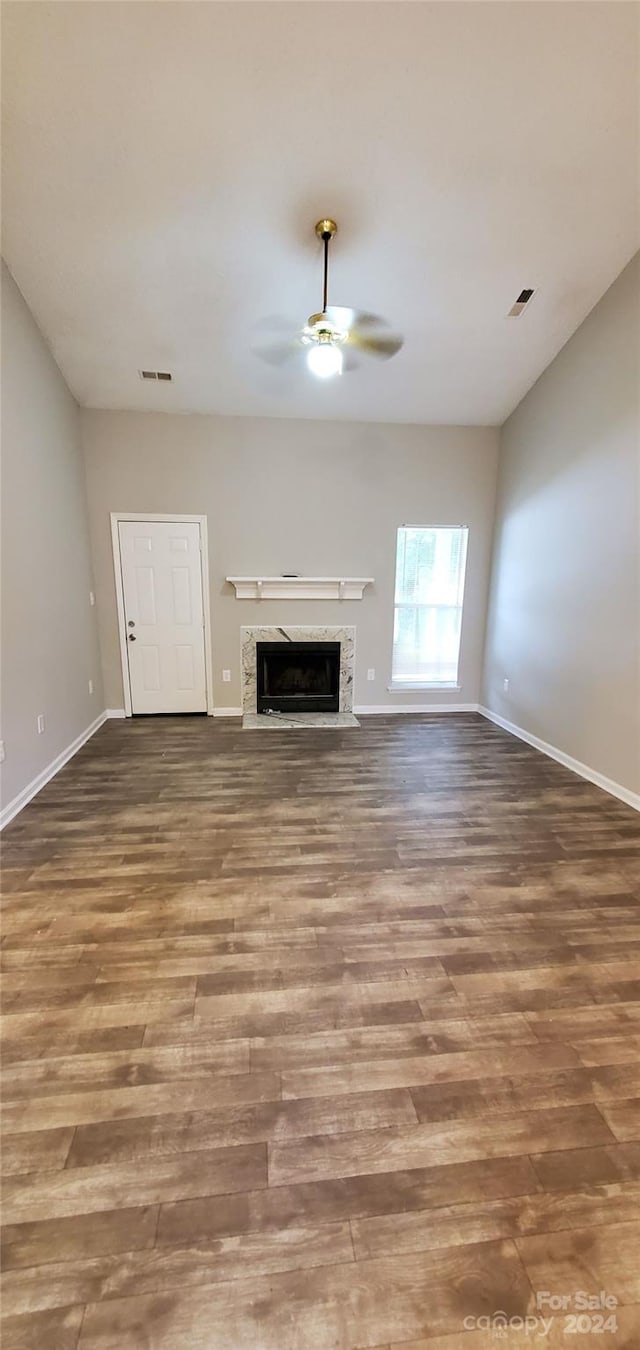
[(397, 685)]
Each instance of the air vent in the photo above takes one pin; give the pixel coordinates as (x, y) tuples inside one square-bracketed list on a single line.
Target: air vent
[(521, 303), (155, 375)]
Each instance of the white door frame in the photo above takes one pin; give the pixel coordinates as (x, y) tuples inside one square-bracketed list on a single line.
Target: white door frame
[(177, 518)]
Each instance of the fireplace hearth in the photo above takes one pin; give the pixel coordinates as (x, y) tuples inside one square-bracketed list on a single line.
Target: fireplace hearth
[(298, 676)]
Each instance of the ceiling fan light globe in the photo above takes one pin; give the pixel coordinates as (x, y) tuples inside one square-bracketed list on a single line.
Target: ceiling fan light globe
[(324, 359)]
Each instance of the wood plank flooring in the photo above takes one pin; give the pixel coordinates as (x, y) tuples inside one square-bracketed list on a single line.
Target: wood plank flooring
[(318, 1040)]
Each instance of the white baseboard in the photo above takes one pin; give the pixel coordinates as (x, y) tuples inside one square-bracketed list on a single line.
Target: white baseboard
[(607, 784), (385, 709), (115, 712), (34, 787)]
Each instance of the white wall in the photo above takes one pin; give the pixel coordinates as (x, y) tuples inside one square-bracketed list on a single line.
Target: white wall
[(49, 631), (564, 614), (317, 498)]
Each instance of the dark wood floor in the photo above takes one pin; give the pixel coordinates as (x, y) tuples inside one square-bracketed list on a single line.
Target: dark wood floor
[(318, 1039)]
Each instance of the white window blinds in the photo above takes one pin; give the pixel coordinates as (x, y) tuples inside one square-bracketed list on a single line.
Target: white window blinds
[(430, 568)]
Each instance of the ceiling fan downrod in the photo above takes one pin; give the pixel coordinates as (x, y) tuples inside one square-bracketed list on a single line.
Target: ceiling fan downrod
[(325, 230)]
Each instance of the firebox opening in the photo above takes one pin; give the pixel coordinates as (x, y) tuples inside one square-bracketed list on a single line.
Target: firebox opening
[(298, 676)]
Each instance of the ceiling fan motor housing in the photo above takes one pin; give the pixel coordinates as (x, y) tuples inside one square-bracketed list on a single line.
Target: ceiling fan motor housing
[(321, 329)]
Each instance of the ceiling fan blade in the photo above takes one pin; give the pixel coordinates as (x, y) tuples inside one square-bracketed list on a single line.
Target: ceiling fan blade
[(382, 345), (276, 341), (345, 319), (277, 351), (368, 332)]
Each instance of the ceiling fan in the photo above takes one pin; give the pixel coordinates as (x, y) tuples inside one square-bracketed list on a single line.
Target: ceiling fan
[(333, 339)]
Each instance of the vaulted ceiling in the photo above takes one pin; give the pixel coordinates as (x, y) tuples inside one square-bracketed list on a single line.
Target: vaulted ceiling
[(165, 164)]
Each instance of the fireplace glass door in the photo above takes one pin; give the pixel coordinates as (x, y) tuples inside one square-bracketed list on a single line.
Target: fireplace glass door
[(298, 676)]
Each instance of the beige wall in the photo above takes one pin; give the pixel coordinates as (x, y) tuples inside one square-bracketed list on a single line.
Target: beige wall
[(317, 498), (565, 598), (49, 633)]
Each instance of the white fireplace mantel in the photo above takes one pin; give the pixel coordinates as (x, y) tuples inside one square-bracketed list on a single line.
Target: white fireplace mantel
[(300, 588)]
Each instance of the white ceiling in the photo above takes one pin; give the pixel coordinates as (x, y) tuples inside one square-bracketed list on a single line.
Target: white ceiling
[(165, 163)]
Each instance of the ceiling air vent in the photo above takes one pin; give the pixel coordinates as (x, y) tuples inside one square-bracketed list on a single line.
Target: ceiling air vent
[(155, 375), (521, 303)]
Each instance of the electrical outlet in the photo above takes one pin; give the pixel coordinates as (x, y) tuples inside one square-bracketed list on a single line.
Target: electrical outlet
[(505, 686), (226, 675), (92, 598), (371, 674), (40, 723), (90, 686), (1, 752)]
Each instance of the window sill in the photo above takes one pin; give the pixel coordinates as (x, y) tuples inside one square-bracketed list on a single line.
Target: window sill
[(400, 685)]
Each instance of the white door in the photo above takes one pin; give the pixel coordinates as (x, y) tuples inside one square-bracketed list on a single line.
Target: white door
[(164, 617)]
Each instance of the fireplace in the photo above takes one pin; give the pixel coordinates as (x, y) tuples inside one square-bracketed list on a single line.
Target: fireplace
[(298, 676), (336, 638)]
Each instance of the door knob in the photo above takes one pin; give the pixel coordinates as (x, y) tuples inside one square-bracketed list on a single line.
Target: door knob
[(132, 637), (132, 623)]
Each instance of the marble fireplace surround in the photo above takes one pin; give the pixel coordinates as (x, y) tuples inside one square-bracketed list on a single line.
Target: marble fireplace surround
[(346, 636)]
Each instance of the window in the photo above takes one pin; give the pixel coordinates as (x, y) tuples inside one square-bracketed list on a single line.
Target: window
[(430, 567)]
